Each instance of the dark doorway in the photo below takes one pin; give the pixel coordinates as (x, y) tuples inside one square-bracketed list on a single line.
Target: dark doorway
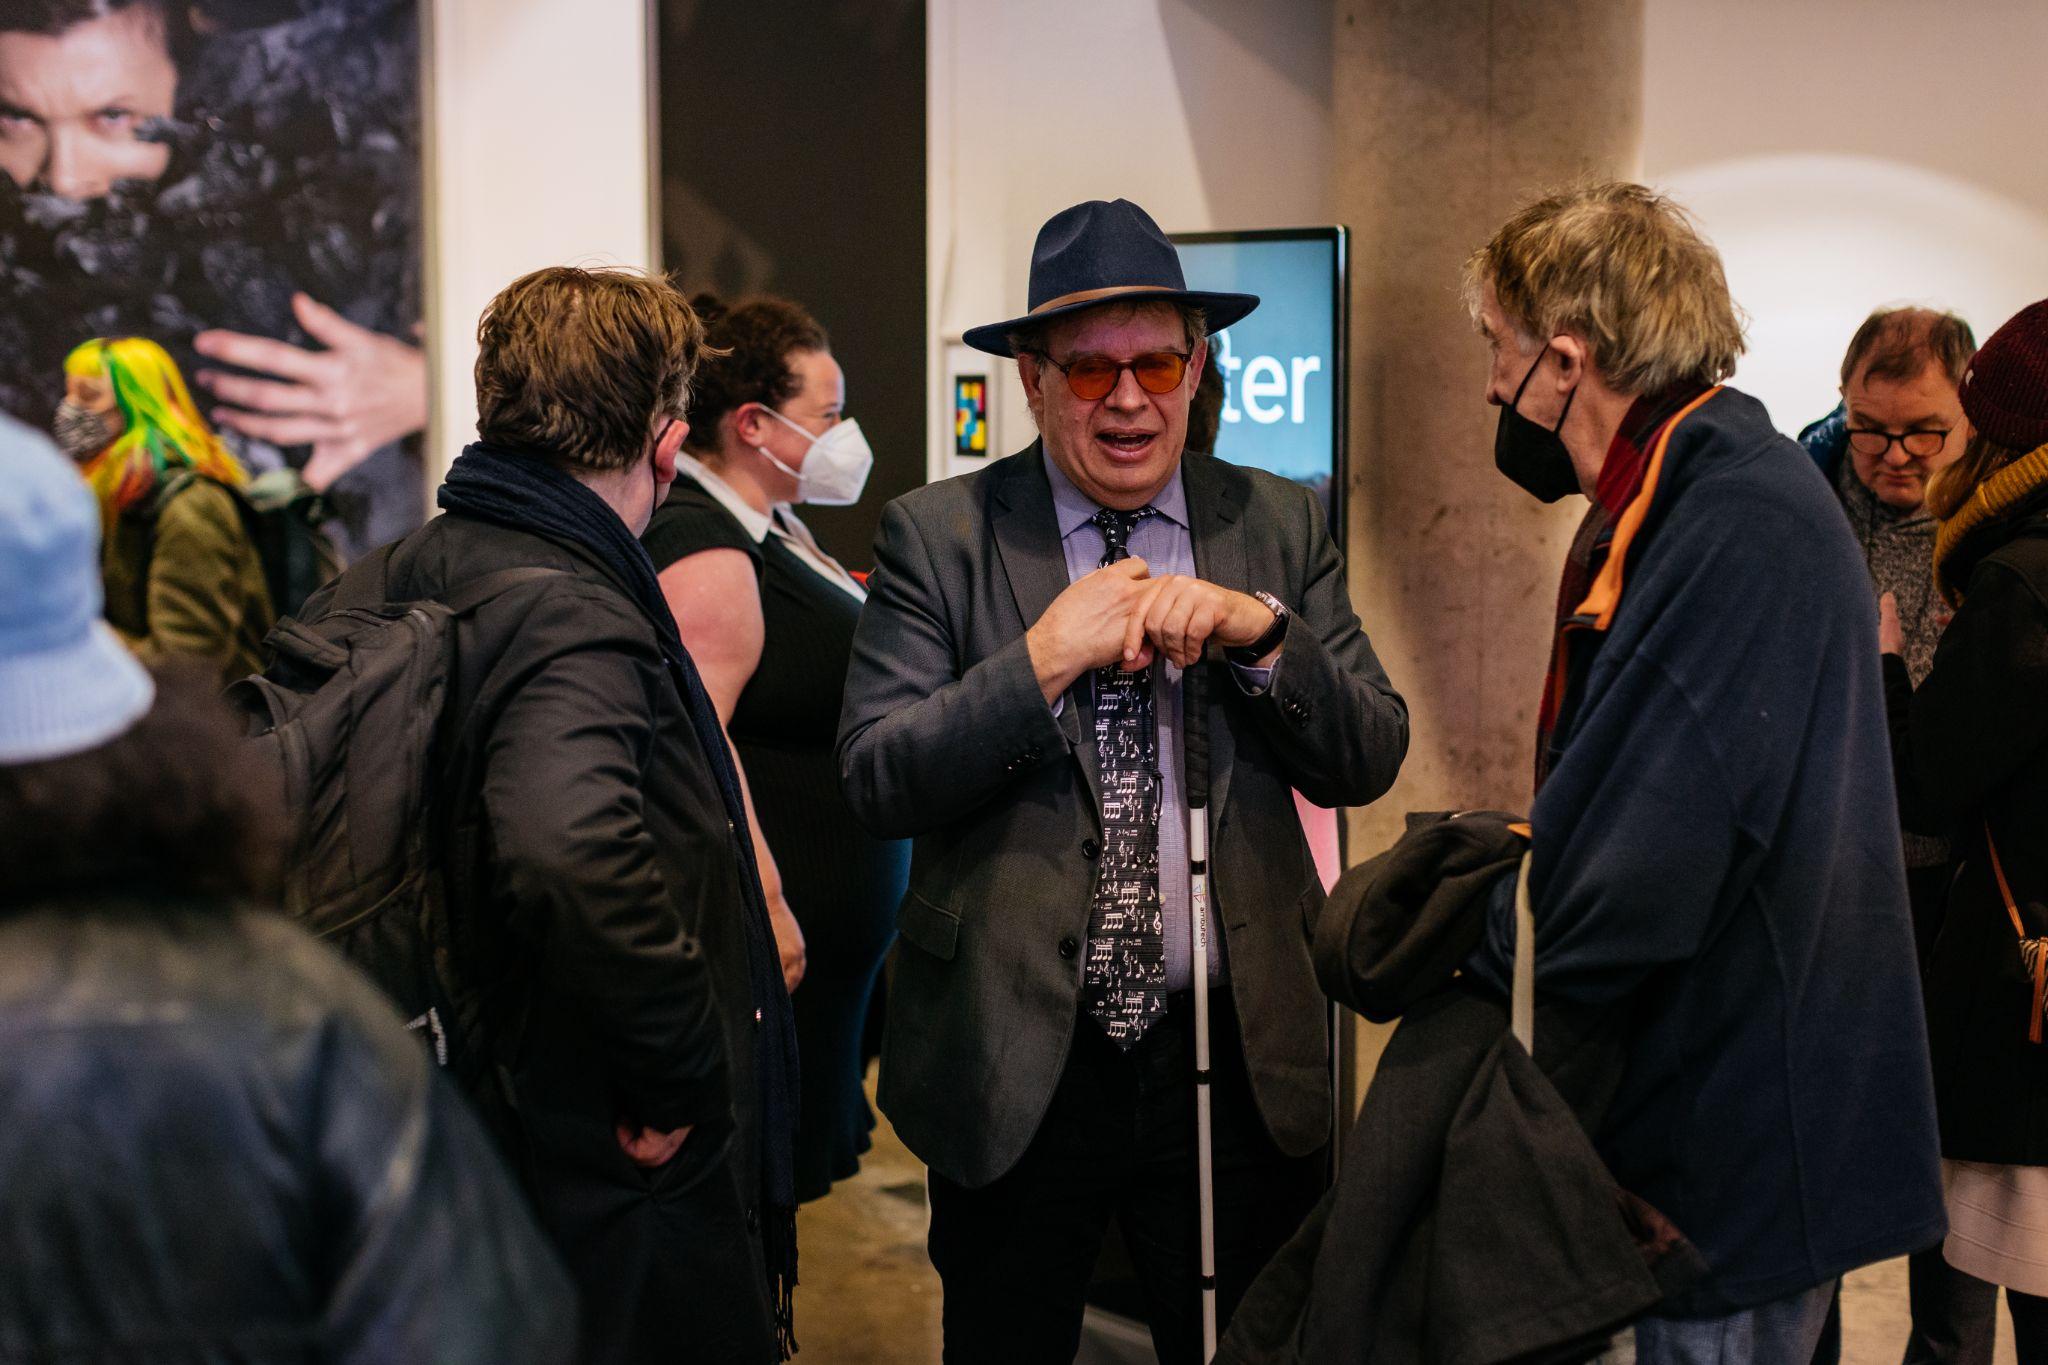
[(792, 148)]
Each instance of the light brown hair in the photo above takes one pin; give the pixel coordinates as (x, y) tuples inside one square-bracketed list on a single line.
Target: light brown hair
[(1624, 269), (575, 365), (1897, 344), (1950, 488)]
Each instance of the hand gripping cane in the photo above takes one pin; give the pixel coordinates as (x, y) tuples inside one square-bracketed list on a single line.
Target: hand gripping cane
[(1195, 728)]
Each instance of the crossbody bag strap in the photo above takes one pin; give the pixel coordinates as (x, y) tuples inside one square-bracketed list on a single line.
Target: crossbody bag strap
[(2036, 960)]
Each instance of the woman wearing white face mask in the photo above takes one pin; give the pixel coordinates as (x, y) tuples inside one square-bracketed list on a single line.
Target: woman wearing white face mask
[(769, 616)]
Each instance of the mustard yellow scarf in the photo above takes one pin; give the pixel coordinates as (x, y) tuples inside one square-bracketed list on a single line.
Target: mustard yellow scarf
[(1994, 497)]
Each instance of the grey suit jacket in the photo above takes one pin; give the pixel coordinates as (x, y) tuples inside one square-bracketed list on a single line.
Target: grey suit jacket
[(945, 739)]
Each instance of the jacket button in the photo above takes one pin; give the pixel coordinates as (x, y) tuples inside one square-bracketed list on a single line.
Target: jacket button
[(1069, 946), (753, 1218), (1089, 848)]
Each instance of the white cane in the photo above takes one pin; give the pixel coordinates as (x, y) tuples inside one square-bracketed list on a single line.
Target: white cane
[(1195, 724)]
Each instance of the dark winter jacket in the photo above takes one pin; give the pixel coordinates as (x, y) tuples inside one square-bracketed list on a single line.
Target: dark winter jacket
[(612, 885), (1827, 441), (218, 1143), (1472, 1221), (1717, 847), (1974, 752)]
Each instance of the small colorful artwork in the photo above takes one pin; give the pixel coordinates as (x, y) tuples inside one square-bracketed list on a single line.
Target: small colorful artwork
[(970, 415)]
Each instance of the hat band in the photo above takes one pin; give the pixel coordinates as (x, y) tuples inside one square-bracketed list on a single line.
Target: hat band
[(1112, 291)]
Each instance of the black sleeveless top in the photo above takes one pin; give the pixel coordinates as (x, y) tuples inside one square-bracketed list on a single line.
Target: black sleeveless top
[(843, 886)]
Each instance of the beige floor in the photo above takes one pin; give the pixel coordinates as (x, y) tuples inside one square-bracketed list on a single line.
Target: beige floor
[(869, 1297), (1874, 1317)]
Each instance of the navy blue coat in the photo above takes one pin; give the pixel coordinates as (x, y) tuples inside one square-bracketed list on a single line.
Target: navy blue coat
[(1719, 844)]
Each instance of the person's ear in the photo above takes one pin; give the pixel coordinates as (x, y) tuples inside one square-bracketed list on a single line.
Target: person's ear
[(668, 447), (750, 422), (1031, 373), (1571, 359)]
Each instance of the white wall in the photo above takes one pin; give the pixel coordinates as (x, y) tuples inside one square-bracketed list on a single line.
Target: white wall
[(1209, 113), (538, 155), (1850, 153)]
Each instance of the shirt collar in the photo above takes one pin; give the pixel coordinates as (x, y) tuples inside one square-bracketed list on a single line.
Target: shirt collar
[(1076, 509), (756, 523)]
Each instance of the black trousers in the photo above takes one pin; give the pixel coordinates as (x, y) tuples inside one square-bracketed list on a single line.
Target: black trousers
[(1118, 1141), (1955, 1315)]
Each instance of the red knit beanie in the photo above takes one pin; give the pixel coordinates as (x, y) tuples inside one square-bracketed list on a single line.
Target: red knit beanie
[(2005, 390)]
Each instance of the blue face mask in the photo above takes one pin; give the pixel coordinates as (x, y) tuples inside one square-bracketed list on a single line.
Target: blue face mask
[(1532, 455)]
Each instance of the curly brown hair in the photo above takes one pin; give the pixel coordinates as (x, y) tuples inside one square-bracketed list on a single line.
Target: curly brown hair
[(757, 337), (574, 365), (177, 806)]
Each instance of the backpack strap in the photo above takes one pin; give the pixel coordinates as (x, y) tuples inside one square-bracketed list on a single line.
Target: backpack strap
[(363, 588), (473, 595)]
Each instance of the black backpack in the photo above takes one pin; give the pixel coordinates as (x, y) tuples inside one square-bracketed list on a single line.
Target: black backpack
[(282, 517), (383, 838)]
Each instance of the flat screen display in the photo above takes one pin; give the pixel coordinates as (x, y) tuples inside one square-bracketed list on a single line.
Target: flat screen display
[(1282, 367)]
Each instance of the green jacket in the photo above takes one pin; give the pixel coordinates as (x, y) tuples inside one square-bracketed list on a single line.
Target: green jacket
[(184, 580)]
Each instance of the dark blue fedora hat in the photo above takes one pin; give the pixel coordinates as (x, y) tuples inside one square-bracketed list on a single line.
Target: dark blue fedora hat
[(1105, 252)]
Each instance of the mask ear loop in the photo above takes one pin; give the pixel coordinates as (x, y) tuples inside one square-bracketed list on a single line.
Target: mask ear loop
[(1516, 405), (763, 450)]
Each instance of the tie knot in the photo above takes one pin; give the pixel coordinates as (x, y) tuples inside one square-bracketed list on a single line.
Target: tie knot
[(1116, 528)]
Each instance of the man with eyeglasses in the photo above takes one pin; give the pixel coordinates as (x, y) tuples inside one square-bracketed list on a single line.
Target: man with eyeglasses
[(1900, 423), (1015, 705)]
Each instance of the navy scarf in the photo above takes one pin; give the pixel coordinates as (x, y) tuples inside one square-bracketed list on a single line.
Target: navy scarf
[(528, 493)]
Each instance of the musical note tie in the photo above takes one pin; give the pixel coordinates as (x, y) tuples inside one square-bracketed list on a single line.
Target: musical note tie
[(1123, 980)]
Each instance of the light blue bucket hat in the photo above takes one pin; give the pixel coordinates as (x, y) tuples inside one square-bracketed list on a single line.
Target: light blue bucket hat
[(66, 682)]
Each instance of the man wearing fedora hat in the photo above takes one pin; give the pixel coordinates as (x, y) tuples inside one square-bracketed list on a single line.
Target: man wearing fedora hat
[(1015, 706)]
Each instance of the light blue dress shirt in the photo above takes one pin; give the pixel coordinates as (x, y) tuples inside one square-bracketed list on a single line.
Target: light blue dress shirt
[(1167, 546)]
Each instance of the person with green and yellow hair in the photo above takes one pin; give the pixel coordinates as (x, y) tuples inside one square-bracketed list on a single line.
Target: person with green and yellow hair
[(182, 576)]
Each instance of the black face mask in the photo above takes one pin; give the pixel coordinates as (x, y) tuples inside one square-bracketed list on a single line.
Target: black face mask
[(1534, 456)]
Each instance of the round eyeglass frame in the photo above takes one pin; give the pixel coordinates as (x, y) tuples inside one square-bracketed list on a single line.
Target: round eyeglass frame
[(1116, 375), (1872, 441)]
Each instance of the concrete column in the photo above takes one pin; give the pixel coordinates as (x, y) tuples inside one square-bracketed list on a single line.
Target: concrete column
[(1449, 114)]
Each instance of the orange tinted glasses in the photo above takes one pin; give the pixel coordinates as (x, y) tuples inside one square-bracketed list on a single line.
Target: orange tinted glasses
[(1090, 377)]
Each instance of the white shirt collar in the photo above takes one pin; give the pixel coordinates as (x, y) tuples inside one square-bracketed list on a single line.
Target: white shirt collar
[(756, 523)]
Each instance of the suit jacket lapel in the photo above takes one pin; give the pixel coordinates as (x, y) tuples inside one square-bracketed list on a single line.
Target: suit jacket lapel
[(1027, 537), (1216, 497)]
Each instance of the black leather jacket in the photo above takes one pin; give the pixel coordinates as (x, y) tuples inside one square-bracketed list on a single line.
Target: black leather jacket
[(217, 1143)]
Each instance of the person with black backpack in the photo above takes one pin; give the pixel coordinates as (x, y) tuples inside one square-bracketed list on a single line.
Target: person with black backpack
[(514, 806), (199, 558)]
